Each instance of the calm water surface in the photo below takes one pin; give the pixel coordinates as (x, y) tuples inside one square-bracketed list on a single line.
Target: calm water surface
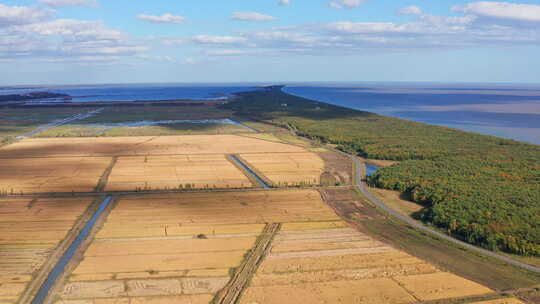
[(510, 111)]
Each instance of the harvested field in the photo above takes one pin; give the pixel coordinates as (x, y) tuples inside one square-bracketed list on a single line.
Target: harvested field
[(337, 168), (501, 301), (328, 262), (175, 172), (288, 169), (375, 291), (170, 246), (142, 145), (436, 286), (31, 230), (41, 175)]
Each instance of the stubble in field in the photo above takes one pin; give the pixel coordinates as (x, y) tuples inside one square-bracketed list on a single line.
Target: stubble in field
[(42, 175), (31, 230), (175, 172)]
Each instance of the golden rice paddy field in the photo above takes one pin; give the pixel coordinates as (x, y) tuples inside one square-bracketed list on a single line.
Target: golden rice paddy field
[(284, 169), (149, 163), (41, 175), (142, 145), (180, 248), (501, 301), (175, 172), (31, 230), (314, 263)]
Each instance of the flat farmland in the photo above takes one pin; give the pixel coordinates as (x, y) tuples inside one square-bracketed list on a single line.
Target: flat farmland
[(142, 145), (180, 248), (31, 231), (337, 264), (288, 169), (175, 172), (43, 175)]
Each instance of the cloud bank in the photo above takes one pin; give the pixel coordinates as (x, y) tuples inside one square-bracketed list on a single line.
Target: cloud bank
[(165, 18)]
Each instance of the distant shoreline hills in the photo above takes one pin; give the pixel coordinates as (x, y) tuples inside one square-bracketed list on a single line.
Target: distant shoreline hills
[(33, 96)]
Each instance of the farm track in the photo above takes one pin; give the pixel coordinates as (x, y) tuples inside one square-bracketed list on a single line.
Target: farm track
[(243, 274)]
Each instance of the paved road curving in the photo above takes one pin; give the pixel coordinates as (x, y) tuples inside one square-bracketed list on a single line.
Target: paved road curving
[(418, 225)]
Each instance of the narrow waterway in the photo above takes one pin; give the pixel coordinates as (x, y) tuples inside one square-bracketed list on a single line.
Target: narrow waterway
[(371, 169), (235, 159), (60, 267)]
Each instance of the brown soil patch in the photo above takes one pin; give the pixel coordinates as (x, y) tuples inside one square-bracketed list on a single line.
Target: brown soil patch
[(337, 169), (397, 201)]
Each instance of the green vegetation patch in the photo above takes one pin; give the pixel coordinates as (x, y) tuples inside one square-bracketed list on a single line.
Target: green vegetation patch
[(482, 189), (15, 122)]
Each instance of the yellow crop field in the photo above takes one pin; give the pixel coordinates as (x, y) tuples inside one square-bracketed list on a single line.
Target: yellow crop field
[(373, 291), (30, 231), (41, 175), (328, 262), (441, 285), (501, 301), (168, 245), (288, 168), (175, 172), (142, 145)]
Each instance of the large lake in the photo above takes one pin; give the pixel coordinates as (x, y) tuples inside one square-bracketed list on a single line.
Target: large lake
[(139, 92), (510, 111)]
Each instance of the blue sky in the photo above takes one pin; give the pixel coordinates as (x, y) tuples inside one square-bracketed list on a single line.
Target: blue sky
[(121, 41)]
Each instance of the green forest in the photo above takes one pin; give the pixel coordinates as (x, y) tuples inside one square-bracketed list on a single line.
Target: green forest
[(482, 189)]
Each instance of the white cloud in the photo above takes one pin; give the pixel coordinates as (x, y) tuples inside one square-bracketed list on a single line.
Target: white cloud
[(66, 40), (165, 18), (502, 10), (206, 39), (76, 30), (168, 59), (64, 3), (410, 10), (18, 15), (251, 16), (284, 2), (226, 52), (344, 4)]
